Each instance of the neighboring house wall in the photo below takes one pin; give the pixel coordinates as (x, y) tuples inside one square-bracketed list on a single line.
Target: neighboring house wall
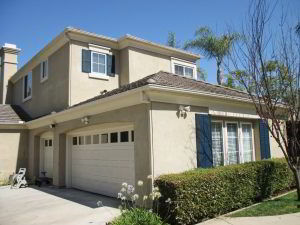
[(50, 95), (13, 146), (84, 87), (143, 63), (124, 66), (174, 139), (276, 151)]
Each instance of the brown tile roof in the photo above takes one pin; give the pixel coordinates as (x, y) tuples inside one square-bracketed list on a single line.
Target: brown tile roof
[(12, 114), (166, 79)]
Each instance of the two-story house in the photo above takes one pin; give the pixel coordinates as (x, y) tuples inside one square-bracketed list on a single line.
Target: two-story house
[(92, 112)]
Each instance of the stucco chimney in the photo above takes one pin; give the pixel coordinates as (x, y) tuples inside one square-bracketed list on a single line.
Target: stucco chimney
[(8, 67)]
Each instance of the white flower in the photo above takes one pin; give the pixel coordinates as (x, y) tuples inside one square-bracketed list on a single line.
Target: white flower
[(157, 195), (130, 189), (150, 210), (155, 189), (99, 204), (149, 177), (120, 195), (123, 198), (124, 185), (135, 197), (168, 200), (145, 197), (140, 183), (123, 189)]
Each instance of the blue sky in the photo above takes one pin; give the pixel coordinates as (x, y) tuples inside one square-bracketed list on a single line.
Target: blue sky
[(32, 24)]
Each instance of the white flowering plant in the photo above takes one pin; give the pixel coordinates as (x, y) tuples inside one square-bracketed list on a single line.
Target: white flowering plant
[(132, 197)]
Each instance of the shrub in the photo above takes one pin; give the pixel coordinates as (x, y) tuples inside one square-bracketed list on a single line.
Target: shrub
[(137, 216), (200, 194)]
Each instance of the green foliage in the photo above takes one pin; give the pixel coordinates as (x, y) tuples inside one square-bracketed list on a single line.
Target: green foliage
[(172, 40), (212, 46), (205, 193), (4, 182), (232, 83), (137, 216)]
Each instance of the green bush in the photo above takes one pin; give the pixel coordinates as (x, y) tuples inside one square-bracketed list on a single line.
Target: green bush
[(137, 216), (200, 194)]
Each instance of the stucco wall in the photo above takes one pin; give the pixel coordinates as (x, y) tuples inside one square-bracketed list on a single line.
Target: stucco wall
[(82, 86), (143, 63), (52, 94), (13, 151), (174, 138), (275, 150)]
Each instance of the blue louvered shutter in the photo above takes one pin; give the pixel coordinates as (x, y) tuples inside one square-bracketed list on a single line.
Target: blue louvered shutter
[(264, 140), (110, 65), (203, 141), (86, 61)]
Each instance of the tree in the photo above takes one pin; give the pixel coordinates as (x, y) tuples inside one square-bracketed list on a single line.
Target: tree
[(213, 46), (298, 29), (232, 83), (172, 42), (267, 65)]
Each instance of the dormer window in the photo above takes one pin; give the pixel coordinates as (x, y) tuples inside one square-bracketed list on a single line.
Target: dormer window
[(184, 71), (27, 86), (44, 70), (183, 68)]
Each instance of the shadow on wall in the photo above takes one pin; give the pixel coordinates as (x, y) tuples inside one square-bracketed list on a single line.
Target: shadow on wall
[(13, 151)]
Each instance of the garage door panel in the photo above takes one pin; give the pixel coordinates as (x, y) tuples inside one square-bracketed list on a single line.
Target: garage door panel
[(102, 168)]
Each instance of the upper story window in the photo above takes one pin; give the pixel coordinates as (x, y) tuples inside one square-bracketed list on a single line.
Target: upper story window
[(184, 71), (44, 70), (98, 63), (27, 86), (183, 68)]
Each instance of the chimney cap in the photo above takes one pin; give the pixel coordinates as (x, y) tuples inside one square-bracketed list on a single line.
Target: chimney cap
[(8, 45)]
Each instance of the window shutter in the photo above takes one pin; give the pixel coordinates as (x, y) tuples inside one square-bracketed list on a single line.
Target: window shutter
[(264, 140), (204, 141), (110, 65), (86, 61)]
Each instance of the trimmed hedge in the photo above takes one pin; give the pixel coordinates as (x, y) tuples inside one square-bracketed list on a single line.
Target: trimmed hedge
[(206, 193)]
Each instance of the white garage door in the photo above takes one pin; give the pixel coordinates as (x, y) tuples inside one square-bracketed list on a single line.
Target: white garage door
[(103, 160)]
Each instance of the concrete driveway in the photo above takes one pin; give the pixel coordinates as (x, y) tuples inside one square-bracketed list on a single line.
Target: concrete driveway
[(50, 205)]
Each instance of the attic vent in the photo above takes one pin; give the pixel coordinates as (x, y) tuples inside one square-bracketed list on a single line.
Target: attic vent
[(151, 81)]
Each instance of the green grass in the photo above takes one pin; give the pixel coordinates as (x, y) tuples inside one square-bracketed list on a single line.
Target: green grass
[(279, 206)]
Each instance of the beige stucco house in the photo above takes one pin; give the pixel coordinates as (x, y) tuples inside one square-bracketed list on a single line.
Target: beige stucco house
[(92, 112)]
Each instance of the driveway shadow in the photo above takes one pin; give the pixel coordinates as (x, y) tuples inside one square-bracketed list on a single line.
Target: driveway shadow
[(81, 197)]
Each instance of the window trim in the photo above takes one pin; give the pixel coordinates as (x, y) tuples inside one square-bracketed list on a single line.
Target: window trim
[(102, 76), (43, 79), (242, 147), (23, 92), (224, 140)]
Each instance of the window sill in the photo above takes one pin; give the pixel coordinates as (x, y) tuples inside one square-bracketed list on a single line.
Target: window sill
[(26, 99), (98, 76), (44, 79)]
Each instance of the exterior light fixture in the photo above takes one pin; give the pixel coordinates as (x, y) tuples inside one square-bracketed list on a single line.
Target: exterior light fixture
[(183, 110), (85, 120)]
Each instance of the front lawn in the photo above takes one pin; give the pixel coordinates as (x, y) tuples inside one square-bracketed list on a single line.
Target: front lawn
[(282, 205)]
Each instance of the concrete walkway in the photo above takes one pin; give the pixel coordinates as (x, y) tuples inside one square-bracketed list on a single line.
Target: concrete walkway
[(288, 219), (49, 205)]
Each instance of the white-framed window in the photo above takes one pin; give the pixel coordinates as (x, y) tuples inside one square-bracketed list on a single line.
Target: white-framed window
[(98, 65), (184, 71), (217, 143), (183, 68), (247, 142), (44, 70), (27, 86), (232, 142)]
